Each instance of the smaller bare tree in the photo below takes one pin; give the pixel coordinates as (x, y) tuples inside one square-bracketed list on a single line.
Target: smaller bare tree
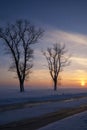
[(57, 60)]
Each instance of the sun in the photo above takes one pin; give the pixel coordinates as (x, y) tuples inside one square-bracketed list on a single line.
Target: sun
[(82, 83)]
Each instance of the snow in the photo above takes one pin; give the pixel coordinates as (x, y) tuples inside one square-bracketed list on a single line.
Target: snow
[(75, 122), (38, 110), (11, 96)]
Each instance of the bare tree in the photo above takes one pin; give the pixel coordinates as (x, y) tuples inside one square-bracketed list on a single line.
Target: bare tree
[(18, 38), (57, 60)]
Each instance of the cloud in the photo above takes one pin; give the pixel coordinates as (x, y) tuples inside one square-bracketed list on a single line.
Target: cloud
[(58, 35), (79, 60), (75, 43)]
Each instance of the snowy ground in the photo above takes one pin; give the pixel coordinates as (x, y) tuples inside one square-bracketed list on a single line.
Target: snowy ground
[(75, 122), (11, 96), (38, 110)]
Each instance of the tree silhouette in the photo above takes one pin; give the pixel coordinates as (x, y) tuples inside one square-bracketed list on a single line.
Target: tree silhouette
[(57, 60), (18, 38)]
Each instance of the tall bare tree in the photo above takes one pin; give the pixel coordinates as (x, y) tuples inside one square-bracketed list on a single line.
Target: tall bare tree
[(57, 60), (18, 38)]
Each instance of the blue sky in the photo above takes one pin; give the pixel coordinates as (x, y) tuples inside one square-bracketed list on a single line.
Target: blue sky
[(64, 21), (68, 15)]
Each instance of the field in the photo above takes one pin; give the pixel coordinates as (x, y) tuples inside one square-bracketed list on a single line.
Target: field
[(36, 108)]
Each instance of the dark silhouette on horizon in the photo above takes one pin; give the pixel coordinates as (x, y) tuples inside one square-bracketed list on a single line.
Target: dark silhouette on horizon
[(18, 38), (56, 60)]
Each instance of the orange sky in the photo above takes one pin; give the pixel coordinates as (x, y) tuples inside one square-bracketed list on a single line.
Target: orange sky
[(42, 78)]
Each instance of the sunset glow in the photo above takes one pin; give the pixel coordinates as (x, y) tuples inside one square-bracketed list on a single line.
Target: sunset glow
[(83, 83)]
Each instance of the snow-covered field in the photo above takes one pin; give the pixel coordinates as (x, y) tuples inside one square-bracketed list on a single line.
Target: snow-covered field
[(11, 96), (75, 122)]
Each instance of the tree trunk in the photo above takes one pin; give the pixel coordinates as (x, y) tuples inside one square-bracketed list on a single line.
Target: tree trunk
[(55, 85), (21, 86)]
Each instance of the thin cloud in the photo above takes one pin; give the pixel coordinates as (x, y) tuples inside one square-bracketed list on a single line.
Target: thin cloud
[(61, 36), (79, 60)]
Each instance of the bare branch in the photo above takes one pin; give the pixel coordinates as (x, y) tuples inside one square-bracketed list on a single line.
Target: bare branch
[(18, 39), (56, 60)]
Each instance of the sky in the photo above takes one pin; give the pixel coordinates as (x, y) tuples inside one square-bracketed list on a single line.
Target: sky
[(65, 22)]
